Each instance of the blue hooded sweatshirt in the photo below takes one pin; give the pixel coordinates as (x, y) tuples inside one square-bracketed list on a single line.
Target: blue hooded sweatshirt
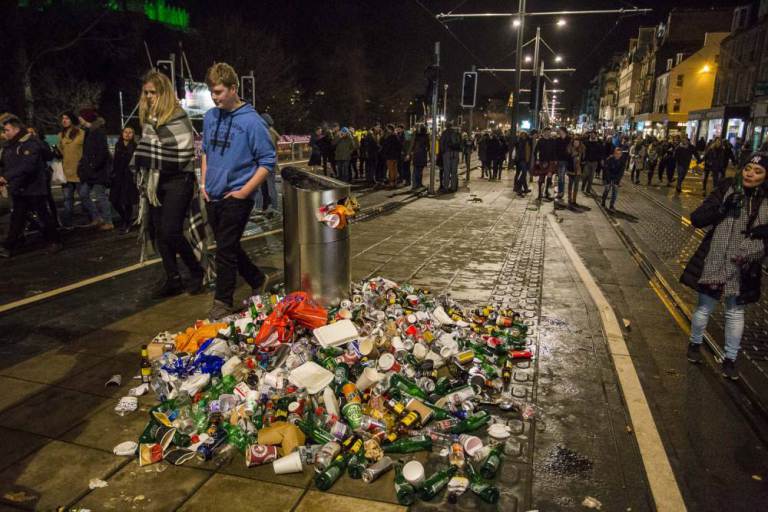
[(235, 144)]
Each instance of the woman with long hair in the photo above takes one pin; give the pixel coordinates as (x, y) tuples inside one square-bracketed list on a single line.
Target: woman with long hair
[(123, 193), (165, 159)]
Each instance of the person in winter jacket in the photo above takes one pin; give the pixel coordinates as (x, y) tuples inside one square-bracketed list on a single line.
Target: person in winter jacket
[(450, 151), (95, 167), (70, 150), (482, 155), (716, 157), (496, 153), (562, 142), (316, 154), (614, 170), (593, 154), (419, 156), (369, 152), (344, 144), (637, 154), (652, 159), (391, 147), (683, 155), (123, 193), (24, 175), (523, 154), (728, 263), (545, 157), (238, 156)]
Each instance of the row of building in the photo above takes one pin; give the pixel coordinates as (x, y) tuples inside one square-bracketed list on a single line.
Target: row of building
[(702, 73)]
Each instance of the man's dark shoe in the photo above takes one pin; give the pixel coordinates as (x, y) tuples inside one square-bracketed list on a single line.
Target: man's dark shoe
[(694, 353), (195, 285), (261, 284), (728, 369), (168, 288)]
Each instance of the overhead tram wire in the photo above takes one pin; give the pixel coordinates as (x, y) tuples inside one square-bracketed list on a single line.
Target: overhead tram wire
[(458, 40)]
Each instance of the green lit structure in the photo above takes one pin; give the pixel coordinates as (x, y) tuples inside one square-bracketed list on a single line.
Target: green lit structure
[(155, 10)]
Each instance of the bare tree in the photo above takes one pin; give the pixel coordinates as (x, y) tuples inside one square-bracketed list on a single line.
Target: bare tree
[(61, 92)]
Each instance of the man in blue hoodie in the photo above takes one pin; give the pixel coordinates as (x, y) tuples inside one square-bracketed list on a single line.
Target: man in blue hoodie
[(238, 155)]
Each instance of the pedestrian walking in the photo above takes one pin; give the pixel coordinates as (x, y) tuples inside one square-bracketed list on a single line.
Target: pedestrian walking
[(523, 154), (70, 150), (391, 148), (450, 151), (164, 161), (683, 155), (653, 159), (482, 155), (545, 155), (716, 158), (369, 149), (593, 153), (497, 154), (728, 263), (562, 142), (354, 157), (467, 147), (577, 152), (316, 152), (95, 167), (238, 155), (123, 193), (614, 170), (23, 174), (637, 154)]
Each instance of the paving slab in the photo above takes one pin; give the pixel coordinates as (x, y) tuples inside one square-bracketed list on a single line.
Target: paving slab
[(161, 487), (241, 494), (55, 475), (316, 500), (52, 366), (17, 390), (265, 473), (17, 444), (104, 429)]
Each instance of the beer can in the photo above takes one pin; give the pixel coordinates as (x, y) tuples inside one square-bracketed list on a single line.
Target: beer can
[(465, 356), (376, 470)]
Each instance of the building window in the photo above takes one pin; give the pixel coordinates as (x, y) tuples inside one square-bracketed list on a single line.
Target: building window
[(676, 105), (678, 58), (680, 80), (669, 64)]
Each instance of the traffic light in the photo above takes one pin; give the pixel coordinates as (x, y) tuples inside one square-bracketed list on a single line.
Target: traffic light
[(469, 89), (248, 89)]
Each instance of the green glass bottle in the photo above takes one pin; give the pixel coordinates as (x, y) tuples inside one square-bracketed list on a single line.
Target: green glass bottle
[(488, 492), (474, 422), (407, 386), (404, 491), (236, 437), (356, 466), (409, 445), (314, 432), (491, 463), (335, 469), (435, 483)]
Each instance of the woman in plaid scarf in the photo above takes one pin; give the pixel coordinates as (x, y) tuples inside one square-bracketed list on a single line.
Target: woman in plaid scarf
[(728, 263), (164, 158)]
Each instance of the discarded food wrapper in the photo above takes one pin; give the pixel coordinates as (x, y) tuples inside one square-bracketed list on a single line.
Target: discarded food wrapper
[(336, 334), (126, 404), (150, 453), (125, 448), (591, 502), (499, 431), (139, 390), (458, 485), (115, 380), (178, 456), (96, 483), (311, 376)]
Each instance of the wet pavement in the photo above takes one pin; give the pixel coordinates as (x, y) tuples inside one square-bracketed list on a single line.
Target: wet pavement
[(481, 244)]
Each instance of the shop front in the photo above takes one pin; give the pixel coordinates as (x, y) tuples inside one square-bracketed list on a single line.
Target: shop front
[(759, 126)]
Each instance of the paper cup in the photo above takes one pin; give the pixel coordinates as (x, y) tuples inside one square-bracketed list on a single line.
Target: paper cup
[(413, 472), (368, 378), (291, 463), (367, 347), (471, 444), (420, 351), (397, 343), (387, 362)]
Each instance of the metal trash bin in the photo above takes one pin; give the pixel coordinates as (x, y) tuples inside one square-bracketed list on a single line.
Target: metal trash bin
[(316, 256)]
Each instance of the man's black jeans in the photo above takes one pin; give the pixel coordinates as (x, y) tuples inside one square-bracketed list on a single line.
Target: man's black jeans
[(228, 218)]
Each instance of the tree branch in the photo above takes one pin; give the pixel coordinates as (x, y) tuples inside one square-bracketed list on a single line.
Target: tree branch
[(55, 49)]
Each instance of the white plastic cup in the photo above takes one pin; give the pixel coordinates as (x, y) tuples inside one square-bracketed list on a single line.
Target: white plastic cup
[(367, 347), (291, 463), (368, 378), (413, 472), (420, 351), (471, 444)]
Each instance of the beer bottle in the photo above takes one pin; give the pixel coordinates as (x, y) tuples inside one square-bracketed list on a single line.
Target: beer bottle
[(409, 445), (488, 492), (407, 386), (404, 491), (328, 477), (146, 367), (356, 466), (314, 432), (236, 436), (491, 463), (435, 483), (474, 422)]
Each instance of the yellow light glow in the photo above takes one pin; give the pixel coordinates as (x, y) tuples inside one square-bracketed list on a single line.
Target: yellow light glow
[(706, 68)]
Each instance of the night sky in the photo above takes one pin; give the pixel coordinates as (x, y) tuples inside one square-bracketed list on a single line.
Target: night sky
[(400, 35)]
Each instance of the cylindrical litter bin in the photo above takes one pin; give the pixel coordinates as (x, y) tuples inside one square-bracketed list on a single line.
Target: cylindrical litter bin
[(316, 256)]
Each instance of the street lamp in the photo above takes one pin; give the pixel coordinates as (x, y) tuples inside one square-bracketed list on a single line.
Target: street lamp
[(516, 22), (528, 58), (561, 22), (556, 81), (558, 58)]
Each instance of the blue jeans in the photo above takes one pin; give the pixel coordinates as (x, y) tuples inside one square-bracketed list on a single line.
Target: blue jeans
[(682, 171), (562, 168), (734, 322), (102, 208), (417, 173), (450, 177), (68, 189)]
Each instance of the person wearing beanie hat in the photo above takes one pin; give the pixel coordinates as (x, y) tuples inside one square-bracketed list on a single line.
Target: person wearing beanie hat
[(94, 168), (728, 263), (343, 145)]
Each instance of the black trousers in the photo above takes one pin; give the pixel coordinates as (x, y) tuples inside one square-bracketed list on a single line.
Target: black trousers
[(228, 218), (23, 206), (174, 192)]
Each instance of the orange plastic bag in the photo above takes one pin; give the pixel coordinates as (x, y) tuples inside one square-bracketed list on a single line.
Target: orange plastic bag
[(190, 340), (295, 308), (306, 311)]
